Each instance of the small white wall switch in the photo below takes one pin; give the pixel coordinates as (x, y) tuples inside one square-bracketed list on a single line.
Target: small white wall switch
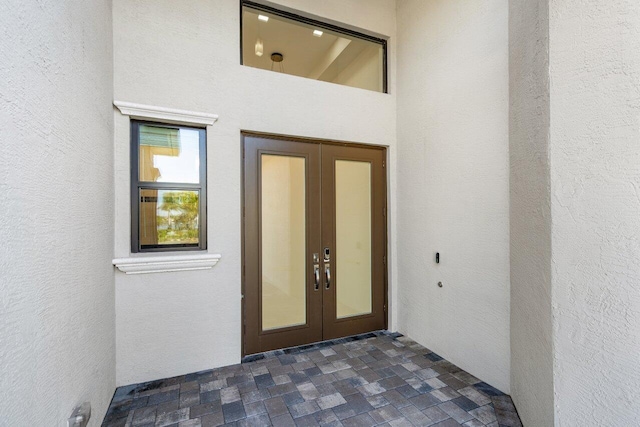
[(80, 416)]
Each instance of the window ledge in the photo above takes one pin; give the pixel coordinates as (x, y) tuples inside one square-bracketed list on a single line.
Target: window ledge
[(164, 264), (169, 115)]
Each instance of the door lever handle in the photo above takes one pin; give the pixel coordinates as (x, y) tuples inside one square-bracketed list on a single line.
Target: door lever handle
[(327, 275), (316, 276)]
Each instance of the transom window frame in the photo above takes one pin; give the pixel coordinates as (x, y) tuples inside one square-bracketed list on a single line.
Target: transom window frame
[(319, 24), (137, 185)]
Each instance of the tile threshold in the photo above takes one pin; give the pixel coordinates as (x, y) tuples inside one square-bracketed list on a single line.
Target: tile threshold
[(317, 345)]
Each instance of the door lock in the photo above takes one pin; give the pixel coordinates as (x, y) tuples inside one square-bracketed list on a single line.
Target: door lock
[(327, 254)]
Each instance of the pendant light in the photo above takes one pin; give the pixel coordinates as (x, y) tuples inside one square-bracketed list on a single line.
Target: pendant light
[(277, 58)]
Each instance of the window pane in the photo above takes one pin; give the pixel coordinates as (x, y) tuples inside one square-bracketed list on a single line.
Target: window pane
[(310, 51), (169, 217), (169, 155)]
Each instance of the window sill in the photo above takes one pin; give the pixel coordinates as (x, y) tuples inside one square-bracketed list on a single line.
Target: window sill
[(165, 264)]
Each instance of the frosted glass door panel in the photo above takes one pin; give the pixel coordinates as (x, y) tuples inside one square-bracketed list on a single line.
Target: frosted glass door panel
[(353, 238), (283, 241)]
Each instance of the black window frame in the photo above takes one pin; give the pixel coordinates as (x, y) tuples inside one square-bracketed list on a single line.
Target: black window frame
[(319, 24), (137, 185)]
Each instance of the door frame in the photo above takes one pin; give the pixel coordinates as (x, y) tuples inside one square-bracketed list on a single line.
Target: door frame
[(301, 139)]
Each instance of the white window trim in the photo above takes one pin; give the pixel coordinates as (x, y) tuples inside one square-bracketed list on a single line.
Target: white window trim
[(165, 264), (163, 114)]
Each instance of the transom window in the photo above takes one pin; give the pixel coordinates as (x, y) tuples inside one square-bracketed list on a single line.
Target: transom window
[(168, 187), (284, 42)]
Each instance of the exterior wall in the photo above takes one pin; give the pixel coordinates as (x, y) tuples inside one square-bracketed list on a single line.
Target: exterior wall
[(453, 181), (530, 213), (575, 82), (57, 345), (187, 57), (595, 182)]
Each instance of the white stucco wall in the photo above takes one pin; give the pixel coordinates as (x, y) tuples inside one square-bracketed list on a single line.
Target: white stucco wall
[(453, 181), (531, 340), (57, 344), (530, 213), (575, 85), (595, 206), (188, 57)]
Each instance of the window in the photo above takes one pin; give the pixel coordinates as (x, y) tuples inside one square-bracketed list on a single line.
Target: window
[(280, 41), (168, 187)]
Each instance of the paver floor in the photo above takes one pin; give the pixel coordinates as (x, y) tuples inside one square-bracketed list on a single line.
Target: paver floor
[(375, 379)]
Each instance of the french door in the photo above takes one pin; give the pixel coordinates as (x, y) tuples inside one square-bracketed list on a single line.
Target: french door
[(314, 243)]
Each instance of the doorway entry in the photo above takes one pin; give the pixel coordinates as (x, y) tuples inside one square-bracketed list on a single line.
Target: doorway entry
[(314, 241)]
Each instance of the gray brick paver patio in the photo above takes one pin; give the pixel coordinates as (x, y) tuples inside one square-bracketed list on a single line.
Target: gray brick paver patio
[(372, 379)]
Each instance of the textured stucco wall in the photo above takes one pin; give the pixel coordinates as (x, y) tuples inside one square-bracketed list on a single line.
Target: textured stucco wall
[(453, 181), (188, 57), (57, 344), (595, 205), (575, 223), (530, 212)]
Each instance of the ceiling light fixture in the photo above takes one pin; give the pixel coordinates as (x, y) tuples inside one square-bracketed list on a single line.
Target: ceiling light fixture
[(277, 58), (317, 33), (263, 18), (259, 47)]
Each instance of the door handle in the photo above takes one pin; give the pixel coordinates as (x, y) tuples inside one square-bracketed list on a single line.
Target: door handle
[(316, 275), (327, 275)]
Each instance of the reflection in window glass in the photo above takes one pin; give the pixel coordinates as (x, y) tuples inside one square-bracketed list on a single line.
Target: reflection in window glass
[(169, 217), (169, 155), (308, 49), (168, 187)]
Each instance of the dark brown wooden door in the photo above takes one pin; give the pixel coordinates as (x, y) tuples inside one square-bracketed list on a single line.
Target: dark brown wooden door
[(354, 237), (314, 242), (282, 306)]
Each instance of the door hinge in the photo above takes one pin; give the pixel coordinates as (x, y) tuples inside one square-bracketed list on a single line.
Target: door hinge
[(384, 260), (384, 211), (383, 163), (385, 308)]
